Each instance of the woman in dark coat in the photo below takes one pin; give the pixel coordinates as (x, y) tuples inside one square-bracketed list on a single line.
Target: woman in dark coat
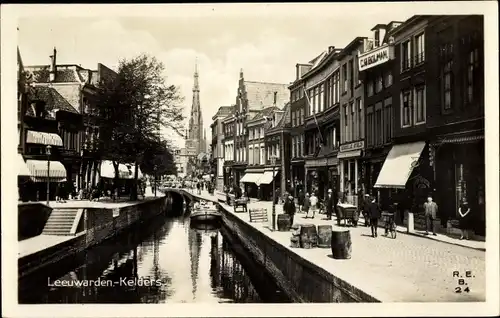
[(465, 221), (301, 199), (374, 213)]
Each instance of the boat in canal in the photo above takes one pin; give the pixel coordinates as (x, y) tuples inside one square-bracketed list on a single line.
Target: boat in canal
[(205, 212)]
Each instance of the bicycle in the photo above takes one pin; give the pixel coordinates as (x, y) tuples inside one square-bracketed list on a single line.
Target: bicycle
[(390, 224)]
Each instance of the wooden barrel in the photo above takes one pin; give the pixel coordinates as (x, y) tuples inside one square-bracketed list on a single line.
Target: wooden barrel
[(324, 236), (308, 236), (283, 222), (341, 244)]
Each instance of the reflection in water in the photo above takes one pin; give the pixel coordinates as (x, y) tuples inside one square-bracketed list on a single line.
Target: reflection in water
[(166, 261)]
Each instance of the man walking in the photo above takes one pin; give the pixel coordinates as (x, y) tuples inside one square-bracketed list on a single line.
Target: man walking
[(374, 213), (430, 208), (330, 205)]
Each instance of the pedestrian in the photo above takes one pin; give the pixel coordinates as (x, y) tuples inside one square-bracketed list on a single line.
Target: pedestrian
[(58, 192), (465, 219), (329, 205), (291, 208), (374, 213), (277, 196), (314, 204), (307, 204), (198, 186), (430, 209), (301, 200), (366, 209)]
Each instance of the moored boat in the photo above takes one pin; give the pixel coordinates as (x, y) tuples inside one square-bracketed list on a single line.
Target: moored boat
[(205, 213)]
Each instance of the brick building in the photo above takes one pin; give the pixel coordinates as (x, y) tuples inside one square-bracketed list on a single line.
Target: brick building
[(351, 120), (217, 146), (321, 123)]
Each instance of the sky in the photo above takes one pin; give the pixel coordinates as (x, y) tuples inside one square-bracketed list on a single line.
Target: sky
[(265, 43)]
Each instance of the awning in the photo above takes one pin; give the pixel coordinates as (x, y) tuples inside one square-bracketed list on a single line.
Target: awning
[(38, 170), (125, 171), (267, 177), (43, 138), (399, 165), (23, 169), (460, 139), (250, 177), (349, 154)]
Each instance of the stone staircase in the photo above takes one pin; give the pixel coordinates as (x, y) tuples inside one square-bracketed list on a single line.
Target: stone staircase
[(61, 221)]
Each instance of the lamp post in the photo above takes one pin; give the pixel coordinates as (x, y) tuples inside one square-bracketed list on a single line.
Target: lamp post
[(273, 162), (47, 149), (154, 168)]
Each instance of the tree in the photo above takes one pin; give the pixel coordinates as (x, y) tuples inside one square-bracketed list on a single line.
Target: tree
[(133, 106), (158, 154)]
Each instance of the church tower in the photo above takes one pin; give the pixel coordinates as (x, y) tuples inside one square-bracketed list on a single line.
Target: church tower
[(195, 132)]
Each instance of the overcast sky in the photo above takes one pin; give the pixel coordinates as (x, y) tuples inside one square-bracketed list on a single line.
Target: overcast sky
[(266, 44)]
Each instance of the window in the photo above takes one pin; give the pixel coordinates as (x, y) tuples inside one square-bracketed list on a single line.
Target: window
[(405, 55), (472, 76), (330, 92), (301, 116), (344, 77), (321, 97), (301, 151), (377, 38), (346, 123), (336, 87), (250, 157), (406, 108), (419, 104), (250, 134), (378, 126), (369, 126), (447, 84), (379, 84), (353, 124), (388, 120), (351, 76), (419, 48), (316, 99), (359, 107), (369, 88), (388, 79), (294, 120)]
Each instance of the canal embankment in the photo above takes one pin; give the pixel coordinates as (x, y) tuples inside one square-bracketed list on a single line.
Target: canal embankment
[(64, 229), (380, 270)]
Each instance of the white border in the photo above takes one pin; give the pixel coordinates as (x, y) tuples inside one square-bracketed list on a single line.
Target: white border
[(9, 16)]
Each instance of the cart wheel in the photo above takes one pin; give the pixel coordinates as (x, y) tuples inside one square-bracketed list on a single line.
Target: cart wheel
[(393, 230)]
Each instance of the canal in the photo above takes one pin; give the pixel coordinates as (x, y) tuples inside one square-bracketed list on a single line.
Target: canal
[(165, 261)]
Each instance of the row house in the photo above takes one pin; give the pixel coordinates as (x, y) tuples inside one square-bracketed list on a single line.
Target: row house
[(257, 153), (217, 145), (252, 97), (228, 145), (277, 144), (376, 70), (351, 120), (321, 122)]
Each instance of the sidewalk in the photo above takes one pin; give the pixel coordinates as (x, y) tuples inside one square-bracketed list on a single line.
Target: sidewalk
[(405, 269), (299, 217)]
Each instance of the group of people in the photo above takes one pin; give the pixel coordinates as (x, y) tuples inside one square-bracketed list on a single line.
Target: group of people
[(311, 203)]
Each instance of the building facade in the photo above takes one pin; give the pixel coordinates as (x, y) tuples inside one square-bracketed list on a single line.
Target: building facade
[(351, 121), (229, 151), (376, 67), (321, 123), (217, 145)]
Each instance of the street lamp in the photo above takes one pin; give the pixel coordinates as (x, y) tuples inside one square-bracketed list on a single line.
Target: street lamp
[(47, 151), (154, 168), (273, 162)]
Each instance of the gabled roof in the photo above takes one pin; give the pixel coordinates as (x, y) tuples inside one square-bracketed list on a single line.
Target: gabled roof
[(266, 112), (261, 95), (64, 74), (283, 121), (53, 101)]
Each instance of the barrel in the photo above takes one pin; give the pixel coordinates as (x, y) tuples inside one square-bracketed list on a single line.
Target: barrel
[(341, 244), (324, 236), (308, 236), (283, 222)]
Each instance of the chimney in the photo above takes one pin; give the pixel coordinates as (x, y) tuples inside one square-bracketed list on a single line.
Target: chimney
[(275, 98), (331, 49), (53, 66)]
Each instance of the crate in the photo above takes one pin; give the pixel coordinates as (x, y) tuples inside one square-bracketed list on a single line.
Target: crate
[(258, 215)]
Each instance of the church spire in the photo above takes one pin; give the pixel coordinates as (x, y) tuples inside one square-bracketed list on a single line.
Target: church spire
[(196, 86)]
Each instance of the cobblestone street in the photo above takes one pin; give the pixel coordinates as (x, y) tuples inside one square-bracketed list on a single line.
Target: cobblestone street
[(408, 268)]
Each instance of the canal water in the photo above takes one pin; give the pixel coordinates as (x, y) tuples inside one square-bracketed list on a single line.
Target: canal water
[(165, 261)]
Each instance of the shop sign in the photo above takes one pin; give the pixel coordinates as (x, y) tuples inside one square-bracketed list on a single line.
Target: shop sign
[(333, 161), (316, 163), (353, 146), (374, 58)]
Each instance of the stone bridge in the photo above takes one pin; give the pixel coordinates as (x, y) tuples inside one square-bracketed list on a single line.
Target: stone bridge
[(176, 197)]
